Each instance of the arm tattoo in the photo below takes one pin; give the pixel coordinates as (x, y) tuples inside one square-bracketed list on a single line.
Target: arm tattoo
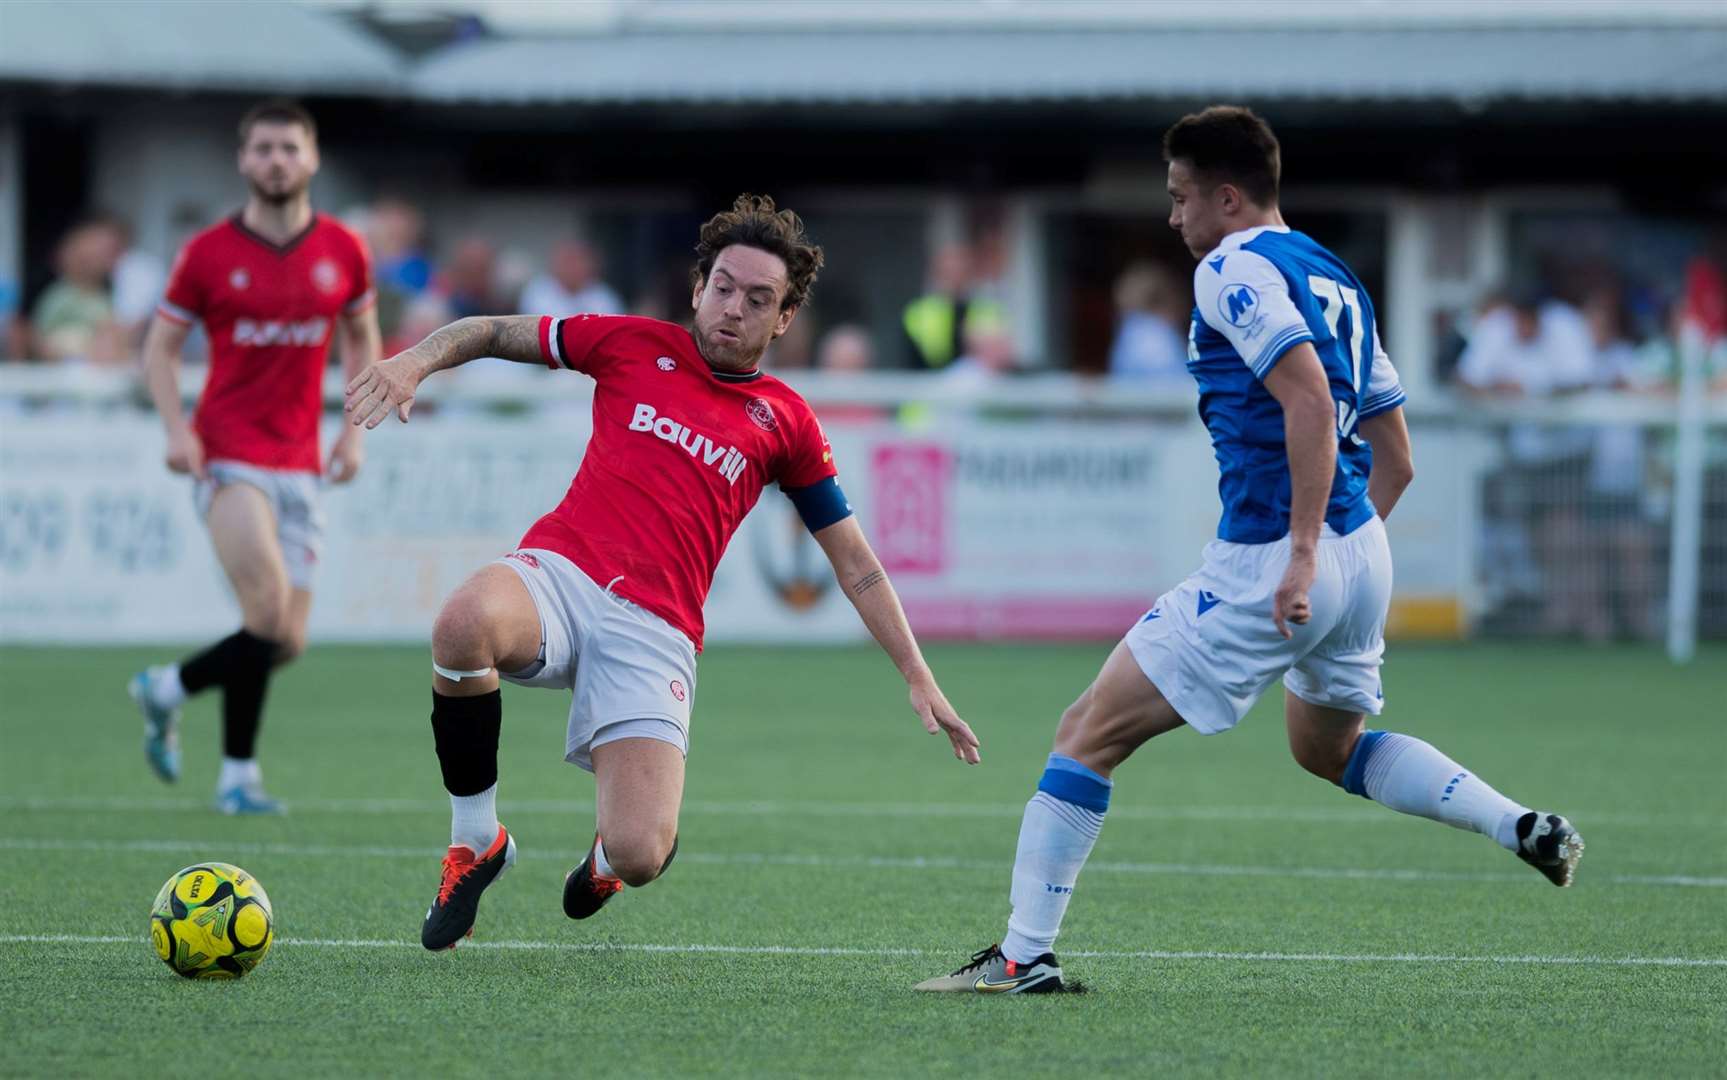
[(868, 582), (509, 337), (517, 338)]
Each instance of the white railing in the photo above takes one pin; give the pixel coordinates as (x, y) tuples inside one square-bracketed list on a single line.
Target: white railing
[(1581, 536), (515, 386)]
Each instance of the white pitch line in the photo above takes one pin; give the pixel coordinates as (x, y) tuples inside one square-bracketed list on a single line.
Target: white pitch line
[(840, 950), (1353, 813), (864, 862)]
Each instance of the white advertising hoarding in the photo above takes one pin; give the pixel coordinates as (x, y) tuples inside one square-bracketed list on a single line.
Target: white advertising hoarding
[(989, 529)]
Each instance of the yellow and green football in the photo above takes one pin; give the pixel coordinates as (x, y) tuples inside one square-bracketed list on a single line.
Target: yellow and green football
[(212, 921)]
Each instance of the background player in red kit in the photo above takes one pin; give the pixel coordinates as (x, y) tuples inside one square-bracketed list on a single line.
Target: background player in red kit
[(273, 285), (604, 595)]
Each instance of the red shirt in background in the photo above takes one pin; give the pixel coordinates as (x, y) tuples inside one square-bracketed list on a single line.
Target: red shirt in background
[(270, 312)]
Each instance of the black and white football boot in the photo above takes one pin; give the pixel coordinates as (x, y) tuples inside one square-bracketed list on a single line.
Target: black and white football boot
[(1549, 843)]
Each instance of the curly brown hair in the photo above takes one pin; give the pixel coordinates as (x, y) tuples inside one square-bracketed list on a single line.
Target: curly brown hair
[(754, 222)]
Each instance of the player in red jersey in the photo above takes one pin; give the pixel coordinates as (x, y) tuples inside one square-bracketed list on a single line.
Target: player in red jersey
[(604, 595), (272, 285)]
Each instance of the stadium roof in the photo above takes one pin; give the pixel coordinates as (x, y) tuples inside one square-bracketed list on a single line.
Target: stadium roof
[(839, 53), (268, 47), (1011, 64)]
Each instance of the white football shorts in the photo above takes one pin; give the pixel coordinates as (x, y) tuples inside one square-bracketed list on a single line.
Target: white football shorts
[(293, 498), (1210, 647), (633, 674)]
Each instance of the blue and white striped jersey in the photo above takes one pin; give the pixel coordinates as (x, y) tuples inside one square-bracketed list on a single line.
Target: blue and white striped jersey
[(1262, 291)]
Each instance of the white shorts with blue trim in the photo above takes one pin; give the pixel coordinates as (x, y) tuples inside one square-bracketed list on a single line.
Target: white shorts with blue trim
[(632, 673), (1210, 647)]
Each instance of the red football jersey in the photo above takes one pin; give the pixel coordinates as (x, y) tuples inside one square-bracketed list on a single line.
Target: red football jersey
[(270, 312), (680, 453)]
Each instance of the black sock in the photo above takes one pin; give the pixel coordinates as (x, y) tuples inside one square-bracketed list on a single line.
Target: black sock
[(214, 665), (466, 730), (246, 679)]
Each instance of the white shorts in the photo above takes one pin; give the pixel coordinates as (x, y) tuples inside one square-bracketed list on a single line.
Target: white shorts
[(1210, 647), (633, 673), (293, 498)]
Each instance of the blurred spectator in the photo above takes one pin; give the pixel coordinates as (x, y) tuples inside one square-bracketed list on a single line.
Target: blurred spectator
[(510, 276), (570, 285), (989, 354), (937, 322), (467, 282), (1615, 353), (395, 231), (1523, 347), (14, 338), (14, 334), (1657, 366), (1150, 337), (424, 314), (846, 350), (1615, 589), (74, 317), (138, 279)]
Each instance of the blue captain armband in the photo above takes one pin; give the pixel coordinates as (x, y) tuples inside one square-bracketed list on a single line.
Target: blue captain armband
[(821, 504)]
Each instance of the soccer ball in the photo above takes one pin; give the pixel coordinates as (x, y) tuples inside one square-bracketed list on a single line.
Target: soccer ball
[(212, 921)]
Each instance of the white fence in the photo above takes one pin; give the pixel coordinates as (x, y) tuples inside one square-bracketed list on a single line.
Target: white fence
[(1046, 508)]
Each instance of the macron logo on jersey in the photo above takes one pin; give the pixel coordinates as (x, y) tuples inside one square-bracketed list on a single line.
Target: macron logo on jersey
[(280, 332), (728, 460)]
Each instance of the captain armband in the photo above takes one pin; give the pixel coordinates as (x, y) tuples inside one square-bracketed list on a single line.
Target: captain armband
[(821, 504)]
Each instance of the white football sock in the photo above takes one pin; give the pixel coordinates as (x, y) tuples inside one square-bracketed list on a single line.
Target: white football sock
[(474, 820), (601, 867), (239, 772), (1055, 839), (165, 687), (1412, 777)]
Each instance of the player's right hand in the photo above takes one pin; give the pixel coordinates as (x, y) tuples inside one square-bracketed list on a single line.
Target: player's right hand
[(386, 385), (1291, 604), (186, 454)]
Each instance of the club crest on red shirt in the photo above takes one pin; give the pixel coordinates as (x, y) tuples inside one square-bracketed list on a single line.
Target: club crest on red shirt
[(761, 413), (325, 276), (666, 363), (239, 279)]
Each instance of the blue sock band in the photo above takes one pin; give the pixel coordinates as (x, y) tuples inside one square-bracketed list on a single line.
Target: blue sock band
[(1068, 780), (1355, 773)]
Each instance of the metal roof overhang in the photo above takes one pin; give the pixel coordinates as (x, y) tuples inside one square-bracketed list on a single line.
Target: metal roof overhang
[(1006, 66), (234, 46), (286, 48)]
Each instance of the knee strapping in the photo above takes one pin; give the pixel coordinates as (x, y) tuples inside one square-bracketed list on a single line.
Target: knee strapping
[(457, 674)]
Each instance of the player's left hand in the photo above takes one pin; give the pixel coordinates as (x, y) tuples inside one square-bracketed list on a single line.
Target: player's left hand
[(345, 457), (1291, 604), (937, 715)]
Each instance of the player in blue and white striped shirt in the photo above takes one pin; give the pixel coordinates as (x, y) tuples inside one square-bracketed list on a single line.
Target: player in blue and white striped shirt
[(1306, 418)]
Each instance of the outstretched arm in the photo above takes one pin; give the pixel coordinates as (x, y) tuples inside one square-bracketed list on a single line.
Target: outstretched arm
[(866, 585), (1393, 460), (391, 384)]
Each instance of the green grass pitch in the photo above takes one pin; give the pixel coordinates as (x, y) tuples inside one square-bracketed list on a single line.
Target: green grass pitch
[(832, 855)]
